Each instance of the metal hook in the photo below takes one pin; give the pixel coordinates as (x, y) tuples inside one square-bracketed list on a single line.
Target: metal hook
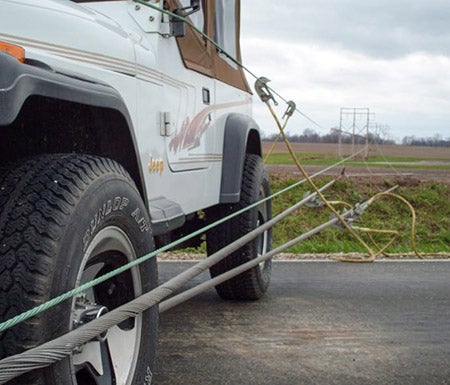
[(290, 109), (263, 90)]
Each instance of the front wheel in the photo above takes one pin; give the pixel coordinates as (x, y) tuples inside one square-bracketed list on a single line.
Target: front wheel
[(253, 283), (65, 220)]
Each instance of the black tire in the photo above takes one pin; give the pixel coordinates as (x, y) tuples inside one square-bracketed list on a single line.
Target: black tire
[(65, 219), (252, 284)]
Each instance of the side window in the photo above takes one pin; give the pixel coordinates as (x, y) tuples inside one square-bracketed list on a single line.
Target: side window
[(196, 18), (225, 28)]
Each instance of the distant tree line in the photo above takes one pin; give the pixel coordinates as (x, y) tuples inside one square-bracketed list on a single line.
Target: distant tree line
[(311, 136), (435, 141)]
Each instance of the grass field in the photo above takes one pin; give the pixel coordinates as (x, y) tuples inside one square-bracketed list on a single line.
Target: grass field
[(428, 191), (430, 198)]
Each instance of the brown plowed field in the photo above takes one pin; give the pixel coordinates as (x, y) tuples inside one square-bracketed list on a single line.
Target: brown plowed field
[(386, 150), (430, 155)]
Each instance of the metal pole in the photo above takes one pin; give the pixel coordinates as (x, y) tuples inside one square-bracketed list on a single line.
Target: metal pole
[(190, 293), (61, 347)]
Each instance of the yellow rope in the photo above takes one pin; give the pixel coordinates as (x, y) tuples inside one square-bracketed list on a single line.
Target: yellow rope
[(342, 203), (312, 184), (393, 232), (273, 146), (373, 254)]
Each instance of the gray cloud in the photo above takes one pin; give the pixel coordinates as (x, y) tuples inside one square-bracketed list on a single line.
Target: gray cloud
[(378, 28)]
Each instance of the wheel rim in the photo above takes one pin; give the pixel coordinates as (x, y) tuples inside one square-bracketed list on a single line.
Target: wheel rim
[(111, 358), (262, 241)]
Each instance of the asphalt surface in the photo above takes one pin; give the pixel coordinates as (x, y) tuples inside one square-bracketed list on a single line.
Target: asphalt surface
[(320, 323)]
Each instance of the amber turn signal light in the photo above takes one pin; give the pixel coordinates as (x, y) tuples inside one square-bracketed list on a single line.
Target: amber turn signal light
[(13, 50)]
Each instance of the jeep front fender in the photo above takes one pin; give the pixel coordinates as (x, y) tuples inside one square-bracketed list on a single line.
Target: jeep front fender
[(19, 81)]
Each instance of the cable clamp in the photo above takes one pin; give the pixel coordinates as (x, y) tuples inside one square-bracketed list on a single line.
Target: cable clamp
[(359, 209), (351, 216), (263, 90), (290, 109), (313, 202)]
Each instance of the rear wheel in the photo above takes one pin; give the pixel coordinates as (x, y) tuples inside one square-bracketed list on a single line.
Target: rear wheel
[(65, 220), (253, 283)]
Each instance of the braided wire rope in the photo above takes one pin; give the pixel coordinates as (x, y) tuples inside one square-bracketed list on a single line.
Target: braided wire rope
[(69, 294), (63, 346)]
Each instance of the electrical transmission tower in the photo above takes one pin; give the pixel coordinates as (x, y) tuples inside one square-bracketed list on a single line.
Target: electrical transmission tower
[(354, 122)]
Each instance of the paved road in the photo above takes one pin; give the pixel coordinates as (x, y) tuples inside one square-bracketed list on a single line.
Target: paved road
[(320, 323)]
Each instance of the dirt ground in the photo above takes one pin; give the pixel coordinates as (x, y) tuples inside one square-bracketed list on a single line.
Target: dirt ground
[(404, 175), (386, 150), (430, 155)]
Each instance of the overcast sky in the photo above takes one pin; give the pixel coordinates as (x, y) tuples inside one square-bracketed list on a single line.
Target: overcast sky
[(392, 57)]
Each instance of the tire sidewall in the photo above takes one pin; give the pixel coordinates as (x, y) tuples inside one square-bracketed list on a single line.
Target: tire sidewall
[(260, 182), (110, 200)]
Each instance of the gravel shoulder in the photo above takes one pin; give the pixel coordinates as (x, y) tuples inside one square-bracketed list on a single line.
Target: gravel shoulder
[(181, 256)]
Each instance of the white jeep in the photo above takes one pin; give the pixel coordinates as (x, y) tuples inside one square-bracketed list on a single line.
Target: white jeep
[(119, 126)]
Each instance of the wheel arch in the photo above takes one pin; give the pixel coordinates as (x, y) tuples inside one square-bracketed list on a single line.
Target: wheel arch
[(48, 112), (241, 137)]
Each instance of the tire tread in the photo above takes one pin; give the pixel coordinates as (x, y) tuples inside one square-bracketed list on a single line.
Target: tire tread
[(248, 285), (35, 199)]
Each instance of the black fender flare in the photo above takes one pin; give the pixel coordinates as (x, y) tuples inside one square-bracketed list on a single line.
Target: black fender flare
[(19, 81), (241, 136)]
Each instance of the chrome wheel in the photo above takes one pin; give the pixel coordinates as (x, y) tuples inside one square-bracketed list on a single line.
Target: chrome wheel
[(112, 357), (263, 240)]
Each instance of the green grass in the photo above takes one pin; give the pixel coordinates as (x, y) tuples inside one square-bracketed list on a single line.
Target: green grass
[(431, 202), (327, 159), (305, 158)]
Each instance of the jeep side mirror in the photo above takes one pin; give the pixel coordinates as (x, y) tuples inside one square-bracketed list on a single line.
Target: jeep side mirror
[(178, 28)]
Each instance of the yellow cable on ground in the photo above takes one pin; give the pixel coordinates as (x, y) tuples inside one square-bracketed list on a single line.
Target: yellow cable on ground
[(342, 203), (265, 95), (369, 233), (394, 232)]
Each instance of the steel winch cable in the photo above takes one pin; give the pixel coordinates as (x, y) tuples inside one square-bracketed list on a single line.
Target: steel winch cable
[(61, 347), (190, 293), (55, 301)]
